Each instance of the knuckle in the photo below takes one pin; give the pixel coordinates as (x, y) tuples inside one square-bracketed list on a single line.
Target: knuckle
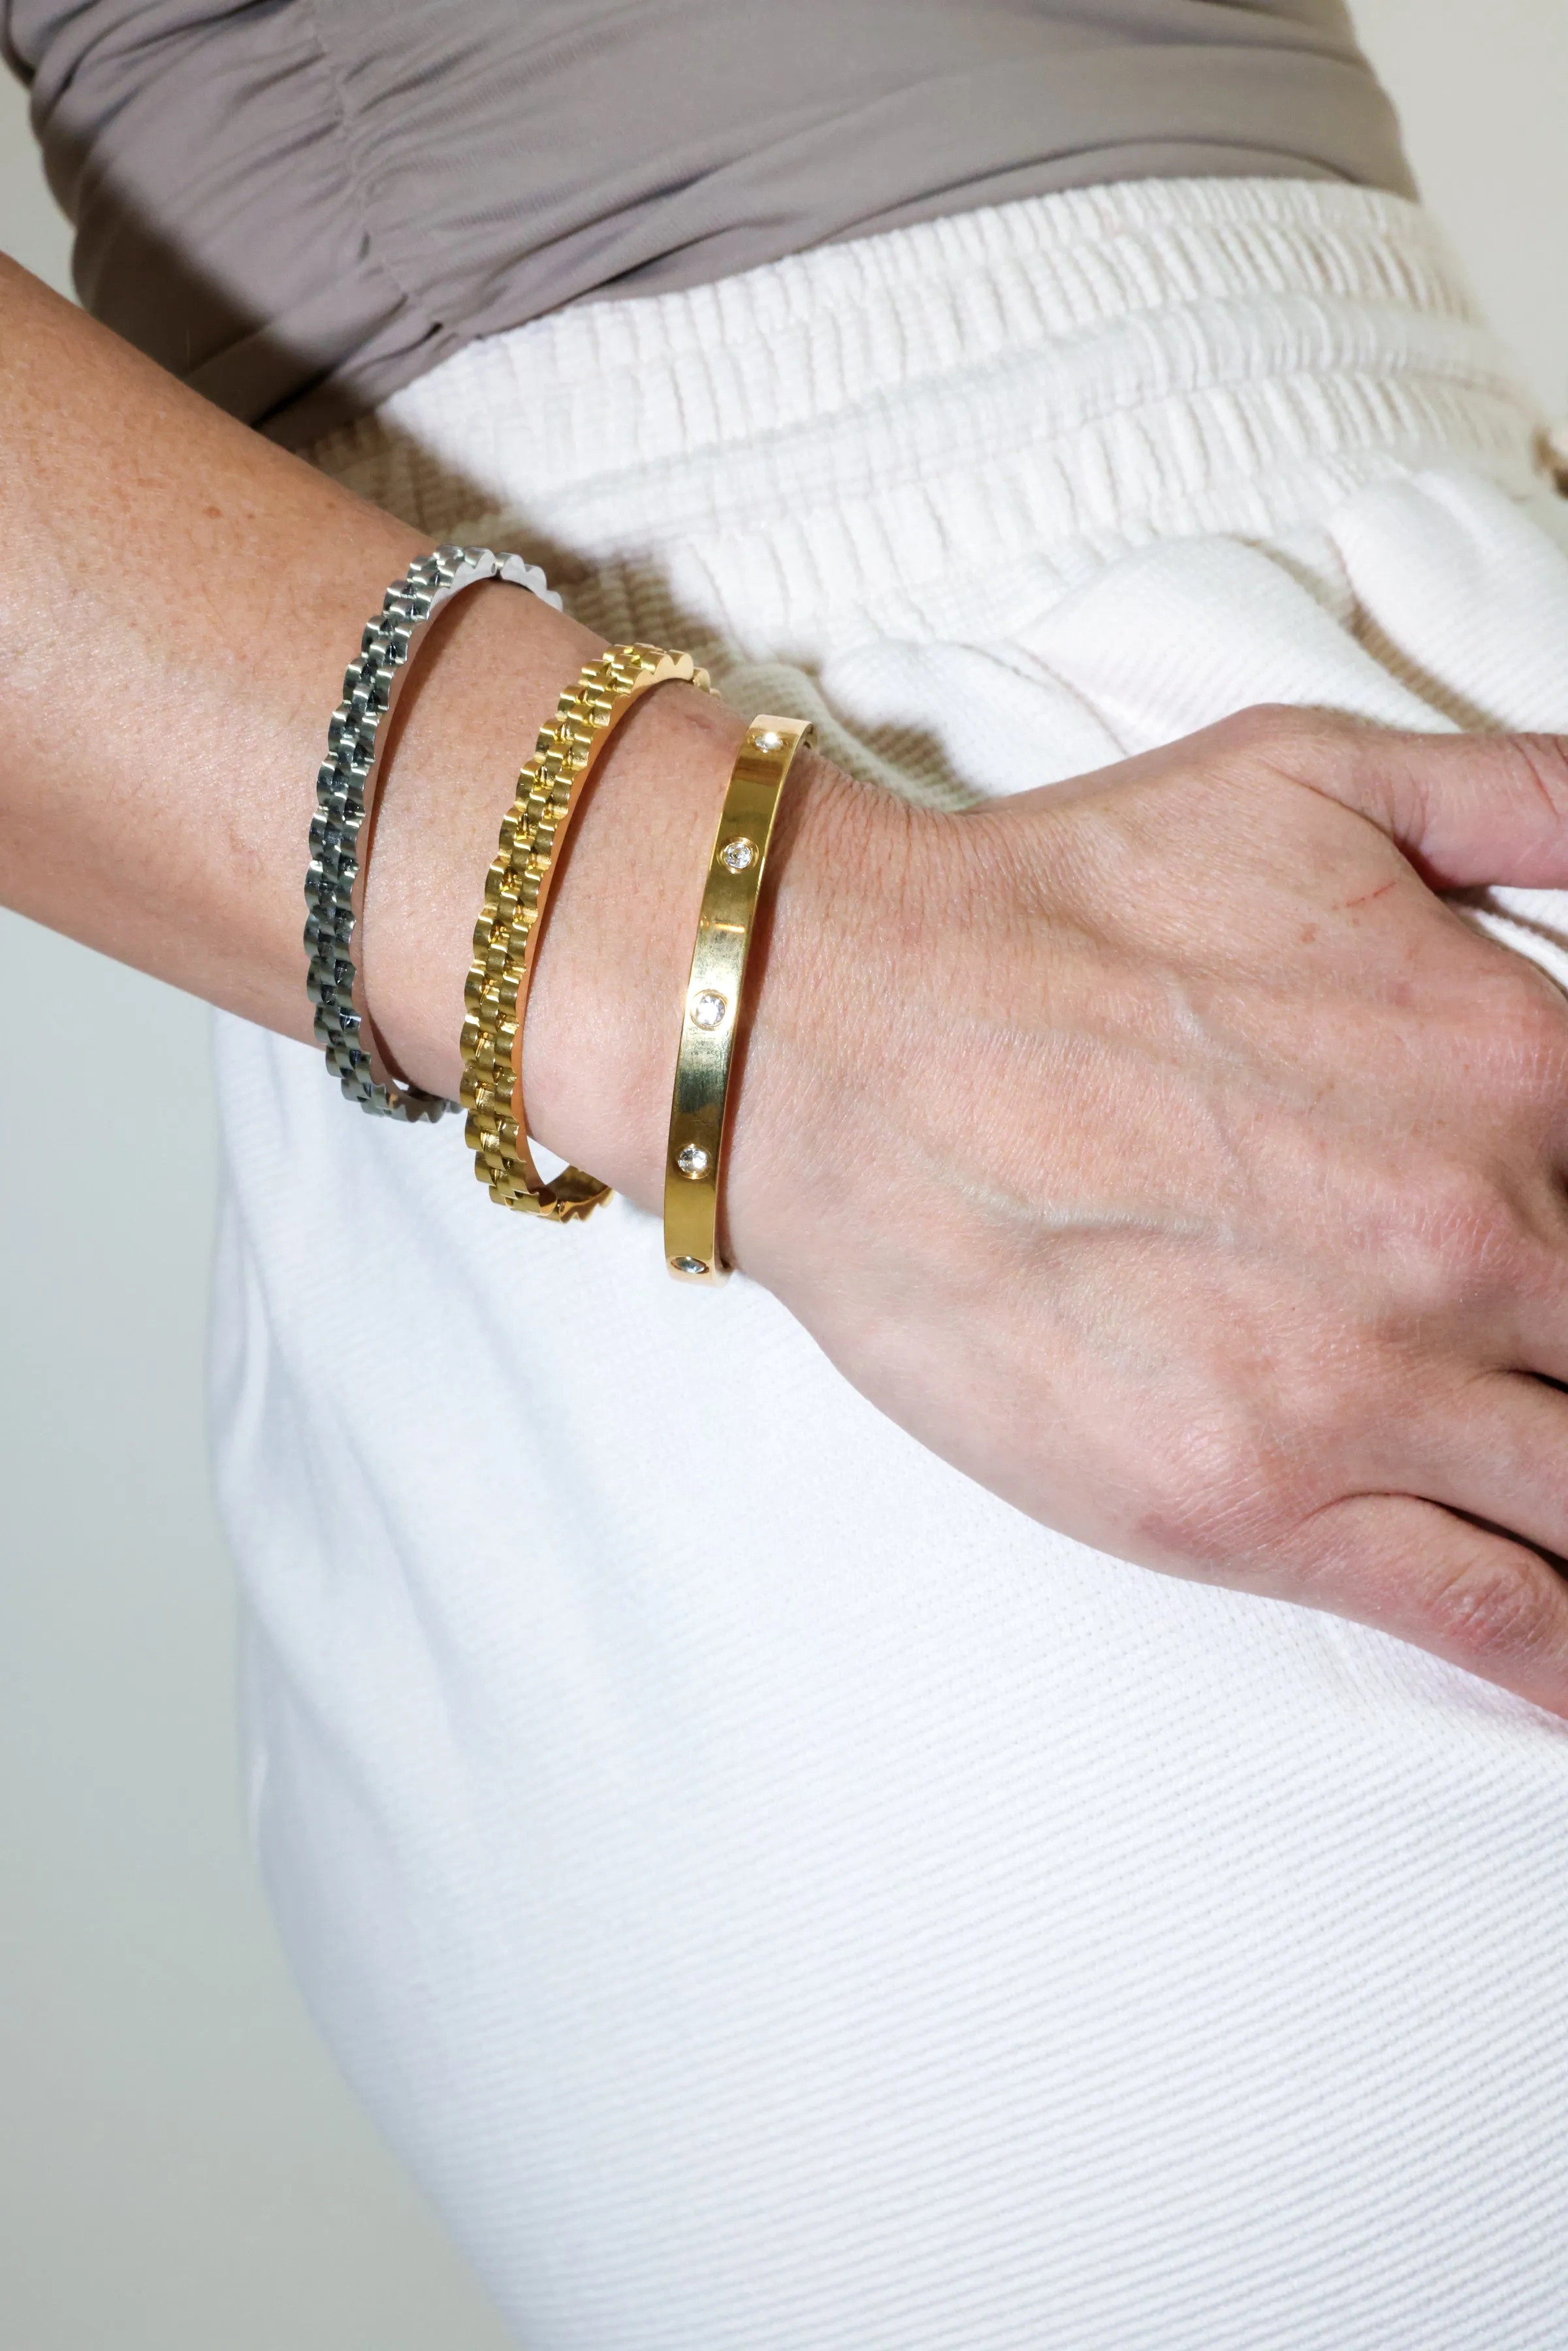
[(1271, 730), (1278, 743), (1264, 718), (1494, 1607), (1217, 1497), (1462, 1240), (1543, 765), (1525, 1051)]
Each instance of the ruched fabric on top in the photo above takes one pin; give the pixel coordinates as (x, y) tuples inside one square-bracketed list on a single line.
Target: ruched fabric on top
[(298, 206), (773, 1893)]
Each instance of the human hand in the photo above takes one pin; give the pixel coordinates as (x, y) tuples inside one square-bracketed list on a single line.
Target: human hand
[(1162, 1151), (1158, 1148)]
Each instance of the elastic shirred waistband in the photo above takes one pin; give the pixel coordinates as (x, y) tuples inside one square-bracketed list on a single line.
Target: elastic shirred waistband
[(869, 428)]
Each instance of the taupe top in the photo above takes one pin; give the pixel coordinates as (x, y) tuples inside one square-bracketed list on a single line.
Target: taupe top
[(298, 205)]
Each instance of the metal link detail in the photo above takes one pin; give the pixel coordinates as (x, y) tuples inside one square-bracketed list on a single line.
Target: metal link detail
[(516, 890), (346, 788)]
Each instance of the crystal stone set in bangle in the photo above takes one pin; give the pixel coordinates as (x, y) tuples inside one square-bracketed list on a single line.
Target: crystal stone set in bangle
[(693, 1165), (517, 889)]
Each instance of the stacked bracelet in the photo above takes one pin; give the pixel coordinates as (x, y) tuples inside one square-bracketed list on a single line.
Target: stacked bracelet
[(710, 1020), (346, 792), (517, 891)]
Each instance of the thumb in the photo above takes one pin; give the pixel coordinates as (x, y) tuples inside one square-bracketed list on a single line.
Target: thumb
[(1464, 809)]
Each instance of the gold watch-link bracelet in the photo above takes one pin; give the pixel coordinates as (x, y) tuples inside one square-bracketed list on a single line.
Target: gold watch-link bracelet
[(506, 937)]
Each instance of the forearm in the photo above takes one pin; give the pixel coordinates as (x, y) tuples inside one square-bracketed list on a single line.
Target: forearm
[(178, 600), (1091, 1137)]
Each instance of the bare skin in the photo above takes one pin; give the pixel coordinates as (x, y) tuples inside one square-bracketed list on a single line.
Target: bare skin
[(1158, 1148)]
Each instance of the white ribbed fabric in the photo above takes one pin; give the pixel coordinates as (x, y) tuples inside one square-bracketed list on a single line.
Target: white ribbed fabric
[(774, 1895)]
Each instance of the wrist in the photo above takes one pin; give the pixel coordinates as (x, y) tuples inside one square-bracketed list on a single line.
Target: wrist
[(604, 1016), (487, 678), (604, 1009), (605, 1004), (834, 971)]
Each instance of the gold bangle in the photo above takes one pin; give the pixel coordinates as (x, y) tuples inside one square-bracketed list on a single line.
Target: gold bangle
[(710, 1017), (506, 936)]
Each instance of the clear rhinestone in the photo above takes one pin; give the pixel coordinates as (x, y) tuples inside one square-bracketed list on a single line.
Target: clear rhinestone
[(688, 1265), (737, 855), (768, 740), (708, 1009), (692, 1161)]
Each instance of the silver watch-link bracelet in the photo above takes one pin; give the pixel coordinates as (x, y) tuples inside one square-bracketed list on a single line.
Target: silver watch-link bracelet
[(346, 788)]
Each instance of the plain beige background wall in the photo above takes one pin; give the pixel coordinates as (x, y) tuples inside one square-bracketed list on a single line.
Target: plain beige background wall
[(180, 2169)]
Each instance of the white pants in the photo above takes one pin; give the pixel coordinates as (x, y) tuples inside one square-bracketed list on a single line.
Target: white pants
[(773, 1894)]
